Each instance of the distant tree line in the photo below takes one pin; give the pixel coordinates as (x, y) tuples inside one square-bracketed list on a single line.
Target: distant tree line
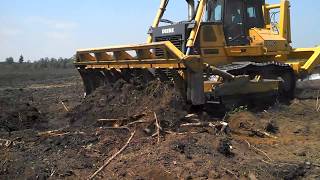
[(43, 63)]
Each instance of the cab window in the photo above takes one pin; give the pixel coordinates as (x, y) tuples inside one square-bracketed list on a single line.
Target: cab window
[(251, 12), (214, 11), (254, 14)]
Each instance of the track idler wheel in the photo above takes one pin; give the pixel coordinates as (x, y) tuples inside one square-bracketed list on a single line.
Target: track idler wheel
[(287, 80), (287, 84)]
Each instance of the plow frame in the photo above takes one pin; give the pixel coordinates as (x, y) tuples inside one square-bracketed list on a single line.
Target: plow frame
[(304, 60), (132, 56)]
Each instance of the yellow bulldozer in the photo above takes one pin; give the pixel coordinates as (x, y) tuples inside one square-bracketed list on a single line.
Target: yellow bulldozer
[(226, 49)]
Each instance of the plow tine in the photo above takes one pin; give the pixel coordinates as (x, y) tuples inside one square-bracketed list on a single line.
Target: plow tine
[(116, 74), (87, 83), (179, 82), (98, 79), (137, 74), (146, 75), (162, 75), (92, 79), (108, 77), (113, 75), (127, 74)]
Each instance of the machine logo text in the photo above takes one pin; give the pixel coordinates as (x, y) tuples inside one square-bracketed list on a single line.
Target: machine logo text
[(168, 31)]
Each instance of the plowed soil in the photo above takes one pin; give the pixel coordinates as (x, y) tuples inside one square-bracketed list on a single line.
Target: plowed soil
[(49, 131)]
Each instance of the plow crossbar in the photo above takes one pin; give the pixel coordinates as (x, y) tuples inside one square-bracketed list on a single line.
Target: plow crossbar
[(132, 56), (305, 59)]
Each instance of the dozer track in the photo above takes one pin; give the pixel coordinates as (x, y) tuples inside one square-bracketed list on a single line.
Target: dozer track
[(267, 70), (251, 83)]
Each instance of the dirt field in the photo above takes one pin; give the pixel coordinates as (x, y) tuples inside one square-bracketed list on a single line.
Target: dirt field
[(48, 131)]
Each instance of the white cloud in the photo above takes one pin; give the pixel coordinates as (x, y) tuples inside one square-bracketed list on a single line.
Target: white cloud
[(51, 23), (36, 37), (64, 25), (57, 35), (9, 31), (9, 28), (51, 28)]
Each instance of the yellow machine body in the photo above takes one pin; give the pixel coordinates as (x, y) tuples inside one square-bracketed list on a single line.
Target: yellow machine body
[(264, 45)]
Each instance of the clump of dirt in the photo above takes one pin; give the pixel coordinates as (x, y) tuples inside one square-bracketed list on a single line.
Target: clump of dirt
[(123, 100), (272, 127), (225, 147), (288, 172), (191, 147), (242, 122), (248, 124), (20, 116)]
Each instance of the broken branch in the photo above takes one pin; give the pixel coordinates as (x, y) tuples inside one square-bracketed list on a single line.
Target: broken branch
[(257, 150), (109, 120), (230, 172), (122, 127), (103, 122), (317, 103), (181, 133), (136, 122), (158, 126), (264, 153), (7, 142), (65, 107), (112, 157), (200, 124), (317, 165), (263, 133)]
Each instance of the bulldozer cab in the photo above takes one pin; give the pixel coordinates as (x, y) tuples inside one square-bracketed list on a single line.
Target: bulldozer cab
[(237, 17)]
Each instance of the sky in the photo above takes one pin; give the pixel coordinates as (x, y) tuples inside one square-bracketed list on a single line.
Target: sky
[(56, 28)]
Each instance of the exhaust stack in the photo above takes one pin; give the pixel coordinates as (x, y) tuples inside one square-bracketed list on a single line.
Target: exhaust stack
[(191, 9)]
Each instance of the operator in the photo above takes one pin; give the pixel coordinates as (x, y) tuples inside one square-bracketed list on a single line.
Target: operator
[(236, 17)]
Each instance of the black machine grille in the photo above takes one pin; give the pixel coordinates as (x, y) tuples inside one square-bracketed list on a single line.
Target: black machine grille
[(174, 39)]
